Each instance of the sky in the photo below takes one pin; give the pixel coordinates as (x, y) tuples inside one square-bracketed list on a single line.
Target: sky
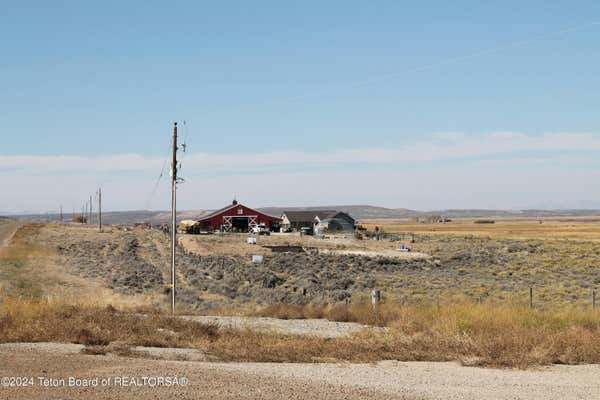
[(424, 105)]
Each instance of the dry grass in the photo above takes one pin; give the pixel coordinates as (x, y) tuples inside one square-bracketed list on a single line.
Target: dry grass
[(475, 334), (31, 268), (40, 321), (15, 261)]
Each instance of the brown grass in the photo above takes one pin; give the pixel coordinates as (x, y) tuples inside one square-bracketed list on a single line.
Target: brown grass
[(40, 321), (574, 228), (475, 334)]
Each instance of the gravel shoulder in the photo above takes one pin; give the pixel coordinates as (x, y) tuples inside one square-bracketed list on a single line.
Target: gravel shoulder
[(306, 327), (384, 380)]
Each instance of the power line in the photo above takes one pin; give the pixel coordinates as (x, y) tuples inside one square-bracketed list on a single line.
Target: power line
[(446, 61), (158, 179)]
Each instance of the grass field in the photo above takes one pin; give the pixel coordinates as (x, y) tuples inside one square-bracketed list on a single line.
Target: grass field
[(468, 301), (573, 228)]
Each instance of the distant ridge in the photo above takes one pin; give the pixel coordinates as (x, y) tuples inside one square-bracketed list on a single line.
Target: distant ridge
[(357, 211), (374, 212)]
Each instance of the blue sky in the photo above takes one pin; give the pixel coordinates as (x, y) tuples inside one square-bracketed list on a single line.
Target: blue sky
[(93, 83)]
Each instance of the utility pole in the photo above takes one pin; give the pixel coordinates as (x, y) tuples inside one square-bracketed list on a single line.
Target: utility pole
[(91, 207), (173, 215), (61, 214), (100, 209)]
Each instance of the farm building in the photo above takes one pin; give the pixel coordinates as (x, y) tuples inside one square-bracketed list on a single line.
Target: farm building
[(338, 222), (237, 217), (294, 220), (320, 220)]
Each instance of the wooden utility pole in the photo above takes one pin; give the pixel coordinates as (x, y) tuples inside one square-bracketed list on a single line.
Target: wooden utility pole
[(531, 297), (173, 215), (100, 209), (91, 207), (61, 214)]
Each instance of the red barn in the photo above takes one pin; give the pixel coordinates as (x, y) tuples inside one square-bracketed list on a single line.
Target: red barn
[(237, 218)]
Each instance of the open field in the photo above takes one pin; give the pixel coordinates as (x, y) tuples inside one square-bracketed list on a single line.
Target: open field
[(131, 266), (573, 228), (463, 299)]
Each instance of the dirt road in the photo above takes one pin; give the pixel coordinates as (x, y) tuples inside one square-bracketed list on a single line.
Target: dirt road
[(8, 227), (204, 380), (384, 380)]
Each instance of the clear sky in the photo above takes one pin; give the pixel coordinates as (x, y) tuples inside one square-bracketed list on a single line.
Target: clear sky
[(426, 105)]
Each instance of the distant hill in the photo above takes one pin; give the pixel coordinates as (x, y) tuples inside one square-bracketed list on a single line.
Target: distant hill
[(357, 211), (483, 213), (124, 217), (374, 212)]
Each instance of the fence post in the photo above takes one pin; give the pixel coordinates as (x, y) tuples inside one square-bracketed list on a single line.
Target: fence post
[(530, 297), (593, 300), (375, 297)]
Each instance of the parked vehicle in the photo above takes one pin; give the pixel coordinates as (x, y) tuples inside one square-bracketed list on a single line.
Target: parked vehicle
[(261, 229), (306, 230)]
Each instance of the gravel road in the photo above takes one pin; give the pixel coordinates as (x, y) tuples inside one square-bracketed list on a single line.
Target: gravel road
[(205, 380), (305, 327), (384, 380)]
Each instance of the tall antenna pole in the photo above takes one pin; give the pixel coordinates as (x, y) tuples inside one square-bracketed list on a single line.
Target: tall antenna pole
[(100, 209), (173, 215)]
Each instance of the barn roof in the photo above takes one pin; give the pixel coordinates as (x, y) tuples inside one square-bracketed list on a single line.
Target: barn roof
[(302, 216), (217, 212), (229, 207)]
